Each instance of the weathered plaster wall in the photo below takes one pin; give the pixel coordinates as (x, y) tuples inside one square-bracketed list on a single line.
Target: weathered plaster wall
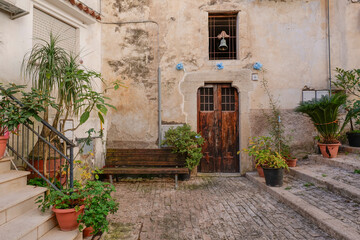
[(287, 36)]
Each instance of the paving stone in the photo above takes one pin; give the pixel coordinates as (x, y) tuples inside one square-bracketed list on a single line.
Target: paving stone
[(208, 208)]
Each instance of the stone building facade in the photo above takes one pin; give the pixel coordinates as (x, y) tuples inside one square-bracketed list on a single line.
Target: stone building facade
[(140, 42), (289, 37)]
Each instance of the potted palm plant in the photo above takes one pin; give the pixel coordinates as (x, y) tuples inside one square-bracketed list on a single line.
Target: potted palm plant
[(324, 115)]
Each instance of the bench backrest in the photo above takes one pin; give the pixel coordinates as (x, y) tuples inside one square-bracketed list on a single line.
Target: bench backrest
[(143, 157)]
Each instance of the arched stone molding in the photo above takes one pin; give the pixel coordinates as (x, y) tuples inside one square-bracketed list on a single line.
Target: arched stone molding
[(241, 80)]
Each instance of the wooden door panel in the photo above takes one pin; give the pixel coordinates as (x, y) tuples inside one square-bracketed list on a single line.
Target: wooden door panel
[(207, 163), (218, 120)]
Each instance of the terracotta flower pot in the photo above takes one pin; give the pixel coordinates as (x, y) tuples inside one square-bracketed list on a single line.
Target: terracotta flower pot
[(3, 141), (329, 150), (72, 2), (260, 171), (87, 232), (80, 6), (67, 218), (291, 162)]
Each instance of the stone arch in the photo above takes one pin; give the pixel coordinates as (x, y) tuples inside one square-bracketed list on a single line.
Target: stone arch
[(239, 79)]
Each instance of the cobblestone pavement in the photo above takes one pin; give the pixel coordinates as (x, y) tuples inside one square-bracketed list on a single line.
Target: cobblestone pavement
[(342, 208), (339, 174), (207, 208)]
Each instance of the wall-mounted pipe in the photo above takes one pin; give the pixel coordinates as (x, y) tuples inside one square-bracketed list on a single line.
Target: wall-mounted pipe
[(158, 69), (329, 43)]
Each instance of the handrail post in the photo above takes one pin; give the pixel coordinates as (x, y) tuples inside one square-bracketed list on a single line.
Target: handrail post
[(71, 166)]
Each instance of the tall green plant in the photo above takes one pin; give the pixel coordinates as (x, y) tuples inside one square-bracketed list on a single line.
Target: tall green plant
[(275, 125), (324, 114), (53, 70), (349, 82)]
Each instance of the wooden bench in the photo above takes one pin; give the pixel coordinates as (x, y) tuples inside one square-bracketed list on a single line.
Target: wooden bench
[(143, 161)]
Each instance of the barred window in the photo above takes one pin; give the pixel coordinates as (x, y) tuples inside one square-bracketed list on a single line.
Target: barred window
[(222, 46)]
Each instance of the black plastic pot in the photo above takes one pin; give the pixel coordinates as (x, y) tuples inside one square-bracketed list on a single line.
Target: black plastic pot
[(354, 139), (274, 176)]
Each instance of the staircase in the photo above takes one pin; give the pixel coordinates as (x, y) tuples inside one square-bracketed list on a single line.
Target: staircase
[(19, 216), (326, 191)]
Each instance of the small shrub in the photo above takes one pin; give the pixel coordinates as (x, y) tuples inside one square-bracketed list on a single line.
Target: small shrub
[(186, 143)]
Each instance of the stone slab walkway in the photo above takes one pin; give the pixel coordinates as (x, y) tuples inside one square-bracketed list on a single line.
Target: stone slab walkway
[(205, 208)]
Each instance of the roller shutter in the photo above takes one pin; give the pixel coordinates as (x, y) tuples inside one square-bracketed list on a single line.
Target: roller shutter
[(45, 23)]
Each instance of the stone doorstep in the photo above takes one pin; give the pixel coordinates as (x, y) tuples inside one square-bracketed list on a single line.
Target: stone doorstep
[(327, 223), (331, 184), (346, 162)]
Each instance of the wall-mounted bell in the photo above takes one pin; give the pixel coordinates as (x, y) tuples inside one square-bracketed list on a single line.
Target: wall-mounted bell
[(223, 46)]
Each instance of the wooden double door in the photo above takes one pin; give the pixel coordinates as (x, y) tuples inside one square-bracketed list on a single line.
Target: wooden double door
[(218, 123)]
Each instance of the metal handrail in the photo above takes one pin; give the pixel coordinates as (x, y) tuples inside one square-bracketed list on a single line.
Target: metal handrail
[(44, 122), (69, 159)]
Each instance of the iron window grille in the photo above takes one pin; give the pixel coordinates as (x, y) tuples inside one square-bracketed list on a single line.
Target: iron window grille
[(219, 22)]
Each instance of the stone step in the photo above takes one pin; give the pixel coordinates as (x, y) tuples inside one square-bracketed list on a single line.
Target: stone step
[(335, 214), (16, 203), (32, 225), (11, 181), (348, 149), (57, 234), (5, 164), (338, 180), (348, 162)]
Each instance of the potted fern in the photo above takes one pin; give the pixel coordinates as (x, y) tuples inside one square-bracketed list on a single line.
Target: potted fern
[(324, 115)]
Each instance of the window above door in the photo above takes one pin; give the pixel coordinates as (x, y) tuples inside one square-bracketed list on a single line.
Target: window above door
[(223, 36)]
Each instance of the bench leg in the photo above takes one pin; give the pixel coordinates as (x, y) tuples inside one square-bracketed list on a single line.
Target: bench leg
[(176, 181), (111, 179)]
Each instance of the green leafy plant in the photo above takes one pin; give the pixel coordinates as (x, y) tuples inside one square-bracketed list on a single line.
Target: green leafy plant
[(324, 115), (349, 82), (63, 199), (324, 175), (288, 188), (12, 114), (357, 171), (260, 148), (309, 184), (98, 204), (39, 182), (186, 143)]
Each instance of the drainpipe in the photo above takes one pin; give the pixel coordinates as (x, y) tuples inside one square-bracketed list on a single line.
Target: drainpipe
[(329, 43), (158, 69)]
